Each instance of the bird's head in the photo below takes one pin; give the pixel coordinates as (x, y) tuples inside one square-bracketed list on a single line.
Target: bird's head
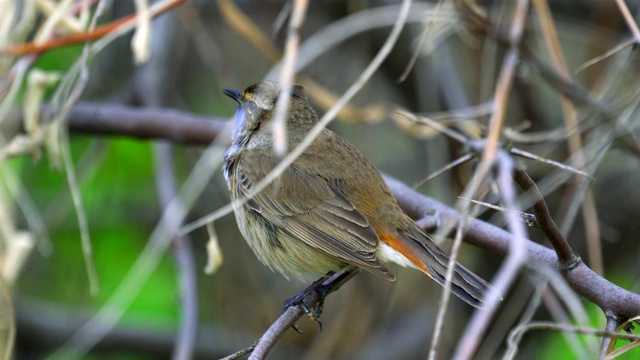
[(256, 105)]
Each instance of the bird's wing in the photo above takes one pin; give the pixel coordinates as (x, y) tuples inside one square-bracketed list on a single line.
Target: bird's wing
[(309, 208)]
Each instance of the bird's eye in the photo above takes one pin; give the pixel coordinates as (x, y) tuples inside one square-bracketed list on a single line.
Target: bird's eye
[(251, 107)]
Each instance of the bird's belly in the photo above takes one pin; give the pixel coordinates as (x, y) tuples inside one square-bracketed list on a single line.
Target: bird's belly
[(280, 251)]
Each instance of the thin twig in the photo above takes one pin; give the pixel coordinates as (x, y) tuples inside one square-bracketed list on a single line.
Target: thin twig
[(239, 353), (91, 35), (459, 161), (527, 218), (287, 72), (607, 342), (434, 124), (566, 255), (69, 102), (528, 155), (517, 333), (623, 45), (628, 18), (418, 49)]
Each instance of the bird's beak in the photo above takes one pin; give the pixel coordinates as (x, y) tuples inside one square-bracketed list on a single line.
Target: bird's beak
[(234, 94)]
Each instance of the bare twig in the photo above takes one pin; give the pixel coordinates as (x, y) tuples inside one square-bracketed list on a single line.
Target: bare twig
[(287, 73), (79, 83), (607, 342), (623, 45), (527, 218), (418, 49), (247, 29), (238, 354), (93, 34), (559, 165), (566, 255), (518, 332), (461, 160), (434, 124), (628, 18)]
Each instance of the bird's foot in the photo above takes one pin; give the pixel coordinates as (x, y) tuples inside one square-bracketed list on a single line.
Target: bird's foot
[(305, 301)]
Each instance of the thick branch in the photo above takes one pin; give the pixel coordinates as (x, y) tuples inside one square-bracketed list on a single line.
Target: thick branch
[(173, 125), (584, 281)]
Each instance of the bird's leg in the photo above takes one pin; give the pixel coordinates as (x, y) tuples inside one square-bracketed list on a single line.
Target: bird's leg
[(316, 288), (311, 299)]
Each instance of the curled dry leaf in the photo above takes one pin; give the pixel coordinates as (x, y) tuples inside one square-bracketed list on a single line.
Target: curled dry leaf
[(37, 84), (628, 325), (214, 254)]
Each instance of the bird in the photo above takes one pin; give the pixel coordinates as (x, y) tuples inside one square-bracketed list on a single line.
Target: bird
[(330, 208)]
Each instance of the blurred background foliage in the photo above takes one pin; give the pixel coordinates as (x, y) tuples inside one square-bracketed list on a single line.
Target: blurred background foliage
[(368, 318)]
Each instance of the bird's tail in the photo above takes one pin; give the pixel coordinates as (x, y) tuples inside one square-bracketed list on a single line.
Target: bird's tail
[(421, 251)]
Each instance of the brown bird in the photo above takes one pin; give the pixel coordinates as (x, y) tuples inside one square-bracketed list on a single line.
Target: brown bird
[(330, 208)]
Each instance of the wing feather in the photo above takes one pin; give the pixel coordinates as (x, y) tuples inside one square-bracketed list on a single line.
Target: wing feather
[(309, 208)]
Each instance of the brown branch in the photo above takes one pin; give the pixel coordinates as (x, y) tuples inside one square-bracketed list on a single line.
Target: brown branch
[(147, 124), (566, 256), (91, 35)]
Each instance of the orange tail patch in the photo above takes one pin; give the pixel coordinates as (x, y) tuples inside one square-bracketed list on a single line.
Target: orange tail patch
[(401, 246)]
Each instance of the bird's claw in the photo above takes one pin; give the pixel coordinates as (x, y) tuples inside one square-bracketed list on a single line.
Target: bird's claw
[(313, 312)]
